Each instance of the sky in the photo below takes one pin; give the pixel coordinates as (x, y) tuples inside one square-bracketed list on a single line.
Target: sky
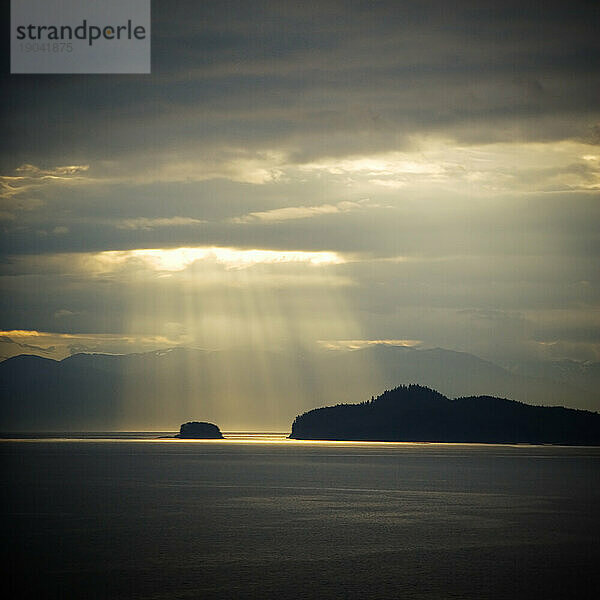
[(313, 176)]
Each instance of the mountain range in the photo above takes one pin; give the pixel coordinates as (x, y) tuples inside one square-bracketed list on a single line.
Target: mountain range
[(242, 389)]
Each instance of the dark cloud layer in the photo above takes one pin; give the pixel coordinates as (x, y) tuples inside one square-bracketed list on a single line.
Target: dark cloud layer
[(447, 154), (368, 74)]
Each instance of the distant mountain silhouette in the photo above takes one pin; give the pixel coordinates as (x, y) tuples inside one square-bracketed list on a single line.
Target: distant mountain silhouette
[(419, 414), (462, 374), (246, 387), (199, 430)]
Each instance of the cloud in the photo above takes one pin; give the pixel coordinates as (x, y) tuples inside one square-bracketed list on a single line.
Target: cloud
[(10, 347), (359, 344), (238, 164), (177, 259), (64, 313), (288, 213), (339, 80), (28, 177), (65, 344), (162, 270), (241, 165), (28, 171), (151, 223), (19, 192)]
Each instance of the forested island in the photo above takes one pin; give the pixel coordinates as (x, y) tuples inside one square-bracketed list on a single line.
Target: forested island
[(195, 430), (415, 413)]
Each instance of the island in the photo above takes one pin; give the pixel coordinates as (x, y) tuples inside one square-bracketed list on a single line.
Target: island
[(198, 430), (415, 413)]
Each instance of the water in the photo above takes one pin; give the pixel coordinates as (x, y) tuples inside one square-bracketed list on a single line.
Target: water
[(264, 517)]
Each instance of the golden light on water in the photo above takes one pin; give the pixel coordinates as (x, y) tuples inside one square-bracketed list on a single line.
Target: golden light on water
[(268, 439)]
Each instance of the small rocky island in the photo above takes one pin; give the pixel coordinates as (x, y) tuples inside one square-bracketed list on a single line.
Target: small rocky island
[(198, 430), (415, 413)]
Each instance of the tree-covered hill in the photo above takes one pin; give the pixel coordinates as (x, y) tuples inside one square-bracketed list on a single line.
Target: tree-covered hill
[(420, 414)]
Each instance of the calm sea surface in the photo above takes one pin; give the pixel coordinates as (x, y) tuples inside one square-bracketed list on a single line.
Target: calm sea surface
[(126, 516)]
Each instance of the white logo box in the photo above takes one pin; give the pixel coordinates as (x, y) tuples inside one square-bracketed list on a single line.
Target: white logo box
[(71, 36)]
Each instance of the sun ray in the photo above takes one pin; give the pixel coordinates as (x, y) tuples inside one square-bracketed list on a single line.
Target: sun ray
[(253, 322)]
